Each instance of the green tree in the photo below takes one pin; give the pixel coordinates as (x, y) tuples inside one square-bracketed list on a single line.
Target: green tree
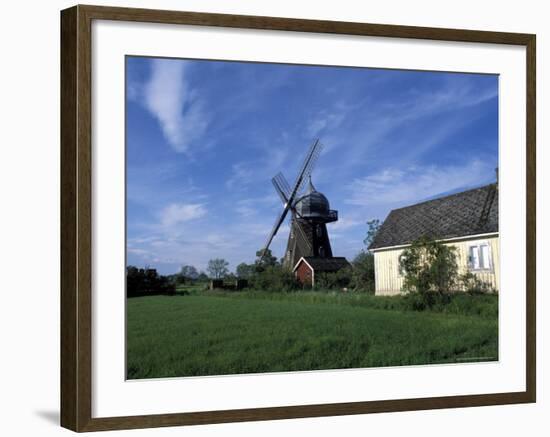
[(203, 277), (264, 260), (373, 228), (429, 267), (189, 272), (363, 271), (274, 278), (230, 276), (245, 271), (186, 274), (334, 280), (217, 268)]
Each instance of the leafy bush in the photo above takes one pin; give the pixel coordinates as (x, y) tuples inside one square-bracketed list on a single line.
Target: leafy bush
[(430, 269), (363, 272), (334, 280), (274, 278), (429, 266), (141, 282), (473, 285), (245, 271)]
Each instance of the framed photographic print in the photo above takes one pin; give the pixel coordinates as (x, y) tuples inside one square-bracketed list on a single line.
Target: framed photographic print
[(268, 218)]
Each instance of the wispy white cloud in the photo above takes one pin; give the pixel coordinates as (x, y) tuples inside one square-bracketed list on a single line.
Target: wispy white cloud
[(407, 185), (184, 248), (175, 214), (156, 184), (455, 95), (241, 174), (325, 121), (138, 252), (250, 207), (244, 173), (198, 244), (246, 211), (345, 223), (170, 99), (372, 124), (133, 90)]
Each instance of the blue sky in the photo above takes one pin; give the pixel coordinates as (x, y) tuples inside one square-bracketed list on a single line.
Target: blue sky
[(204, 139)]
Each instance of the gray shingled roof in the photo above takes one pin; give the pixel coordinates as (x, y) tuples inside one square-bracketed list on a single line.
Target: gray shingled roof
[(327, 264), (467, 213)]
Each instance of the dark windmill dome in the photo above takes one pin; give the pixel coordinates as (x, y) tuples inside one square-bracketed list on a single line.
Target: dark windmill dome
[(313, 204)]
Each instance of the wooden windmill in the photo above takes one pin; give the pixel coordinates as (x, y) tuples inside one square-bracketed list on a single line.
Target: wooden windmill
[(310, 212)]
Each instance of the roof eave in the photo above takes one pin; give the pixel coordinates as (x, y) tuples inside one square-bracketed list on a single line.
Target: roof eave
[(298, 263), (447, 240)]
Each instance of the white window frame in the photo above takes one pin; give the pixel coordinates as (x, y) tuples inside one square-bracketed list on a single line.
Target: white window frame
[(401, 273), (485, 266)]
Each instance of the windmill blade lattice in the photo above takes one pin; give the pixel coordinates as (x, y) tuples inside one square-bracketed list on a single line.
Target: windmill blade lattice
[(307, 167), (289, 195), (282, 187), (273, 232)]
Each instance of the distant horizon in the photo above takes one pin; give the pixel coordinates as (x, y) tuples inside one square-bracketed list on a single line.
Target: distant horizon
[(233, 271), (204, 139)]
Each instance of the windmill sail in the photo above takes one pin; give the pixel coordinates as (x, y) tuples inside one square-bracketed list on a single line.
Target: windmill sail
[(273, 232), (287, 195), (282, 187), (308, 165)]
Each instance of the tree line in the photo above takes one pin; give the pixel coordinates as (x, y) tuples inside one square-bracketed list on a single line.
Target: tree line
[(265, 273), (429, 269)]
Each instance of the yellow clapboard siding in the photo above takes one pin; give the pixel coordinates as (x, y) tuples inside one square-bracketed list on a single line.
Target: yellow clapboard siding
[(388, 280)]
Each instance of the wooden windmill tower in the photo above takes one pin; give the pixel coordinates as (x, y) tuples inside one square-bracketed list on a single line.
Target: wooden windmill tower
[(310, 212)]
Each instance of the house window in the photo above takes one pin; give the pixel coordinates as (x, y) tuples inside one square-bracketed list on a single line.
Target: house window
[(401, 271), (479, 257)]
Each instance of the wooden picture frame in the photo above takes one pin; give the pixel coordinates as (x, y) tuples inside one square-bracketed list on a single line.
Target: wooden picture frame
[(76, 218)]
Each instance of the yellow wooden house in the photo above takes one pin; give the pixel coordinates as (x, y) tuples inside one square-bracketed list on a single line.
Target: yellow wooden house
[(466, 220)]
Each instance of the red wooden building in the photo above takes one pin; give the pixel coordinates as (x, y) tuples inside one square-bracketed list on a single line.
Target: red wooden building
[(306, 268)]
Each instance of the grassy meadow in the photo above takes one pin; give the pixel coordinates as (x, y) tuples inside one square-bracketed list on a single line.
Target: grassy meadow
[(217, 333)]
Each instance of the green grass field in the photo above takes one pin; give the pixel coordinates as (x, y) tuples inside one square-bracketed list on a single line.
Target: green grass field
[(230, 333)]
